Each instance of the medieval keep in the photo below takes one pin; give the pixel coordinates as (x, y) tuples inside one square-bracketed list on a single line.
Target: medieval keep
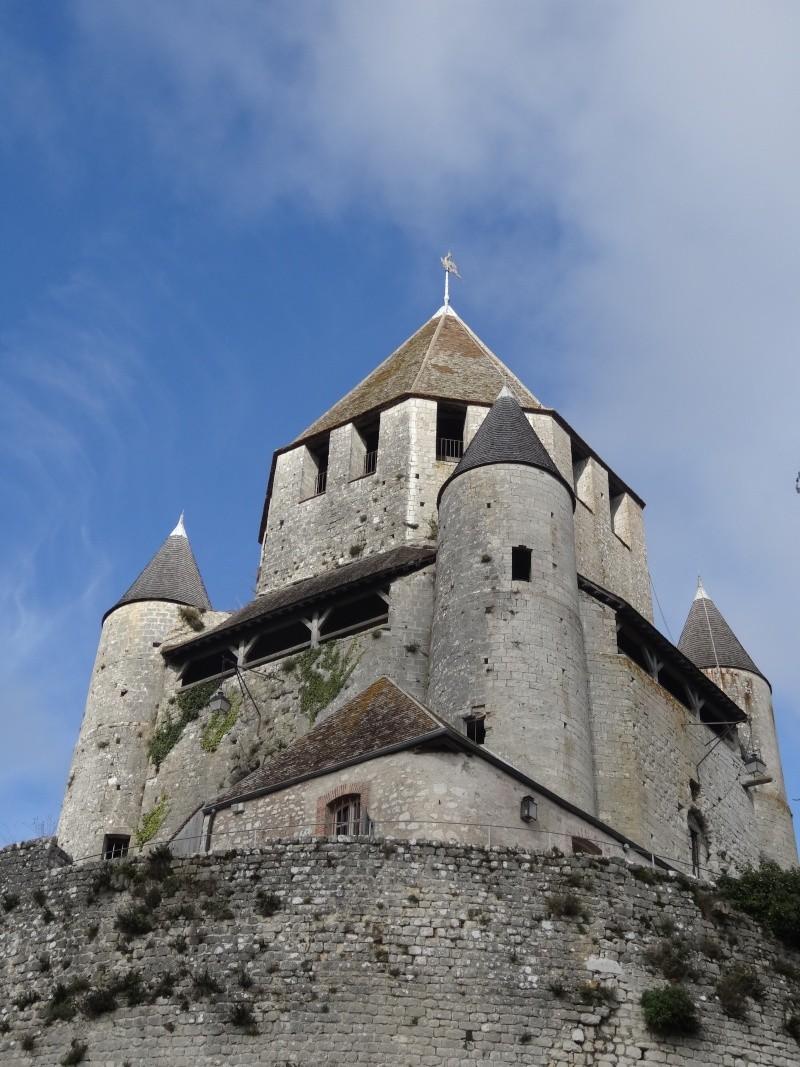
[(452, 640)]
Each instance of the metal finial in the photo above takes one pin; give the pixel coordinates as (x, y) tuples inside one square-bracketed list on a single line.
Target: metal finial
[(701, 594), (449, 268), (180, 530)]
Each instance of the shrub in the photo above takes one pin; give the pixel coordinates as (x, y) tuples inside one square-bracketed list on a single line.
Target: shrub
[(204, 983), (793, 1027), (133, 921), (735, 986), (191, 616), (670, 1011), (242, 1016), (24, 1000), (267, 903), (564, 905), (10, 901), (158, 864), (671, 958), (99, 1001), (27, 1042), (76, 1054), (771, 896), (591, 993)]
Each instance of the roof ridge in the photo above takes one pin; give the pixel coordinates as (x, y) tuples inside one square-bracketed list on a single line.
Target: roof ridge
[(499, 364), (434, 338)]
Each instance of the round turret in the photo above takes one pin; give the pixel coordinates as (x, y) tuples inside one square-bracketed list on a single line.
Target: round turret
[(507, 654), (103, 798), (710, 643)]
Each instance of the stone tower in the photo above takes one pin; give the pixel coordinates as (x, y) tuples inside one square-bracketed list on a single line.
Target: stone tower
[(708, 641), (507, 652), (103, 800)]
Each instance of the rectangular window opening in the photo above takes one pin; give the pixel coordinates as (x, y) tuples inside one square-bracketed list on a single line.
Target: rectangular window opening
[(315, 469), (364, 449), (115, 846), (450, 421), (476, 728), (521, 564)]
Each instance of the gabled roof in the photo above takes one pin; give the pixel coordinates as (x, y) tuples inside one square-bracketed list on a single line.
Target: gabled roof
[(380, 718), (172, 574), (708, 641), (443, 359), (506, 436), (367, 571)]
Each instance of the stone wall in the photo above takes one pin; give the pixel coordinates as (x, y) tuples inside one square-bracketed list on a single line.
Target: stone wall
[(269, 702), (649, 749), (374, 953)]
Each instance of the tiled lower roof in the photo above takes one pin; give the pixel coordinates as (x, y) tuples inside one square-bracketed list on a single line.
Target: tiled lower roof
[(379, 718), (391, 564)]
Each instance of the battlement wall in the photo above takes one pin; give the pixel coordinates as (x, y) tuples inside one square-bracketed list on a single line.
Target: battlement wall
[(409, 955)]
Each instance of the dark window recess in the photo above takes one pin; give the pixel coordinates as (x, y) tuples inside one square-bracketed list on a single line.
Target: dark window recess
[(370, 436), (674, 686), (344, 815), (115, 846), (319, 456), (476, 728), (367, 611), (520, 564), (276, 642), (450, 432), (209, 666)]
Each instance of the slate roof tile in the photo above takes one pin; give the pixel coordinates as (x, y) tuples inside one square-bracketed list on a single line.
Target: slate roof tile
[(443, 359), (708, 641), (380, 717), (172, 574)]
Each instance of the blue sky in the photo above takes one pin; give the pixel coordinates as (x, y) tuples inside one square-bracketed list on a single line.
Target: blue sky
[(218, 217)]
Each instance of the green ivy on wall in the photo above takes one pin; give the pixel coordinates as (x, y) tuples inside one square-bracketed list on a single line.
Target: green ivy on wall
[(152, 821), (323, 673), (219, 724), (191, 703)]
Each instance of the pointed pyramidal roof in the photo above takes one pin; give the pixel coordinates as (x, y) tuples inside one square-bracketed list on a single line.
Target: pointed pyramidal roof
[(442, 360), (506, 436), (708, 641), (172, 574)]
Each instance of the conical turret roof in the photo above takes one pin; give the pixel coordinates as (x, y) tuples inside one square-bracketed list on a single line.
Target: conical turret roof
[(443, 360), (172, 574), (707, 639), (506, 436)]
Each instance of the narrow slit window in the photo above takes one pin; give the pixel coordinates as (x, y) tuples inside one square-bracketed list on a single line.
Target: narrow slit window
[(476, 728), (450, 421), (365, 459), (520, 564)]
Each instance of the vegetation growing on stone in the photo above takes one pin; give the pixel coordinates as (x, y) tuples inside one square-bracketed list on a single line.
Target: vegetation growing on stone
[(77, 1053), (670, 1011), (152, 821), (133, 921), (192, 617), (672, 958), (10, 901), (267, 903), (219, 724), (737, 985), (190, 703), (323, 673), (771, 896)]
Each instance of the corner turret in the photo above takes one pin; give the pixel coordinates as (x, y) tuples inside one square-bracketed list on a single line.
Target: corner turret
[(508, 661), (710, 643), (103, 798)]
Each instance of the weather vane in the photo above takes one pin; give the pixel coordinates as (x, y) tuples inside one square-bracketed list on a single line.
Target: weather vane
[(449, 268)]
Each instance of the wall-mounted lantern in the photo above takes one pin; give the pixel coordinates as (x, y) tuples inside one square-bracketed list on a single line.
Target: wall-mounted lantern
[(219, 703), (527, 809), (754, 764)]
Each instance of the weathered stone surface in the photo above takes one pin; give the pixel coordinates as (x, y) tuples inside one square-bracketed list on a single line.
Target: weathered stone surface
[(371, 953)]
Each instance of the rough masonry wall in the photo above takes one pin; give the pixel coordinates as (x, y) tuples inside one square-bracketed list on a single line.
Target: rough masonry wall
[(513, 650), (272, 710), (377, 954), (648, 749)]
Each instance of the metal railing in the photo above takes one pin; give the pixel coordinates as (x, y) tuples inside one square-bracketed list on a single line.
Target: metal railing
[(321, 482), (449, 449), (370, 462)]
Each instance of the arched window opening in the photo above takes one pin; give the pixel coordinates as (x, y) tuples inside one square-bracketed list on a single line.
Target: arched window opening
[(345, 816)]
